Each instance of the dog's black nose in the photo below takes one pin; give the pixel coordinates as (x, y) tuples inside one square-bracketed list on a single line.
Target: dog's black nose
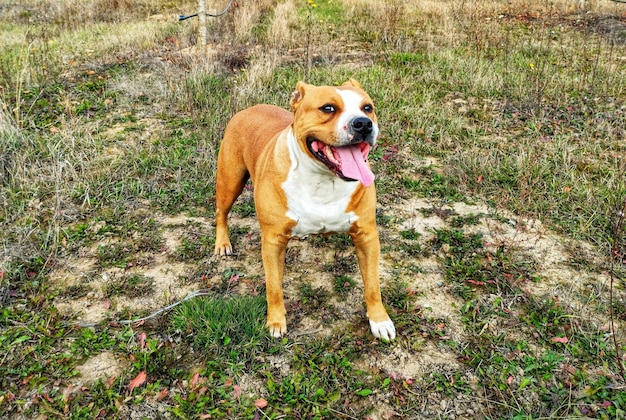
[(362, 125)]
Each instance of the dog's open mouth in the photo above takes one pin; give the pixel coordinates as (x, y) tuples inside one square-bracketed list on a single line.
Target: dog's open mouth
[(348, 162)]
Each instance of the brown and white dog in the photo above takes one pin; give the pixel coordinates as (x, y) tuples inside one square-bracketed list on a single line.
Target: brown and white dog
[(310, 176)]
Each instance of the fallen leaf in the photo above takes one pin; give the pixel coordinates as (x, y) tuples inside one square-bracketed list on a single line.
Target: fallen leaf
[(559, 339), (476, 283), (161, 395), (570, 369), (194, 379), (142, 340), (260, 403), (68, 392), (138, 381)]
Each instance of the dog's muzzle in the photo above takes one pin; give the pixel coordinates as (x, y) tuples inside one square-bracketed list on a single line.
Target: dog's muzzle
[(362, 125)]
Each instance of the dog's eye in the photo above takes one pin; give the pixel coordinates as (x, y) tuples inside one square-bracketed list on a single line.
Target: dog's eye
[(327, 109), (368, 108)]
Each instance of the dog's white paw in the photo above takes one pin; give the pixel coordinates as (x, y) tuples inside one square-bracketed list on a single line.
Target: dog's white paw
[(384, 329), (223, 250), (277, 329), (276, 332)]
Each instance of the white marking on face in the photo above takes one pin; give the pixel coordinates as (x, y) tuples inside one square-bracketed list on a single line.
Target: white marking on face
[(316, 198), (352, 102)]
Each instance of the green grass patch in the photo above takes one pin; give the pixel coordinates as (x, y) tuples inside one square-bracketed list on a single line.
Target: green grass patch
[(469, 267), (343, 284), (132, 286), (196, 247), (313, 298), (230, 329)]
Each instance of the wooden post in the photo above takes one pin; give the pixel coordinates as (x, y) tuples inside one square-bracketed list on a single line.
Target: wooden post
[(202, 17)]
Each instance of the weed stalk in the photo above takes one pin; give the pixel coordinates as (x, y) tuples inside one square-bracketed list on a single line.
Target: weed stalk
[(616, 253), (309, 24)]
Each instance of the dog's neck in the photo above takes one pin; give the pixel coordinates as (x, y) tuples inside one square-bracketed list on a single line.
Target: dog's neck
[(317, 199)]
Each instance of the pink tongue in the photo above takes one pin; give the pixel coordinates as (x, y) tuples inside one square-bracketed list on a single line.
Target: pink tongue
[(353, 165)]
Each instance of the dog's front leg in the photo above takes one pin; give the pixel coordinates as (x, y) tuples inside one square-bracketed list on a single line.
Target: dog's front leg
[(273, 246), (367, 247)]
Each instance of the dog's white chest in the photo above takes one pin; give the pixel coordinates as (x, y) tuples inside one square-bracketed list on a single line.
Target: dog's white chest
[(316, 199)]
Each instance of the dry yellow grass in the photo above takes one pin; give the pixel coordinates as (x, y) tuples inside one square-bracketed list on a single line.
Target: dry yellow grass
[(479, 8), (284, 32), (246, 16)]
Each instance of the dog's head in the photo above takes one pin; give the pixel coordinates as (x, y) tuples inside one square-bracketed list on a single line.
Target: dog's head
[(336, 126)]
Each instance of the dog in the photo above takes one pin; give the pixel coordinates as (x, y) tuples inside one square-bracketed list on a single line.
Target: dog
[(311, 176)]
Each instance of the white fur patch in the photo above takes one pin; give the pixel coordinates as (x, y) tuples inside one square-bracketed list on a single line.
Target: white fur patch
[(352, 102), (384, 330), (316, 198)]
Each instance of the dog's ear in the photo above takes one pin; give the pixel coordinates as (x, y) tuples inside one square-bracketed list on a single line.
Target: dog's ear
[(352, 83), (298, 94)]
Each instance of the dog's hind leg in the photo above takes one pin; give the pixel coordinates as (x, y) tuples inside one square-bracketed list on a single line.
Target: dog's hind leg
[(231, 179)]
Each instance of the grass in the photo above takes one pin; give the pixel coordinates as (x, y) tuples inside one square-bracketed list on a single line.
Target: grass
[(225, 329), (500, 177)]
